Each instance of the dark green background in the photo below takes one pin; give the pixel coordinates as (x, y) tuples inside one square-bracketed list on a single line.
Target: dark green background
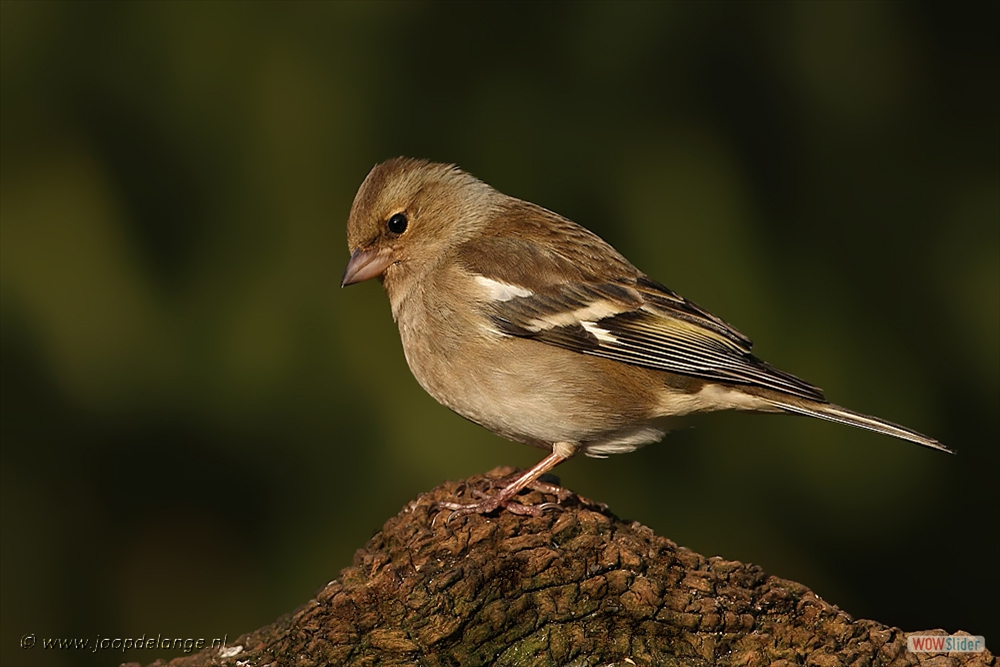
[(199, 427)]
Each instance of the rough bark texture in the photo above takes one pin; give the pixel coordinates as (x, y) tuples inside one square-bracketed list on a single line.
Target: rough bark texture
[(576, 586)]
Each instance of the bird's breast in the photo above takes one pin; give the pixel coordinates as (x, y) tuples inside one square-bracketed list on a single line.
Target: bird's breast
[(525, 390)]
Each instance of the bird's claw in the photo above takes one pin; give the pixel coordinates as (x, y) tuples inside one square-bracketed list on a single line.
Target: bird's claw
[(490, 504)]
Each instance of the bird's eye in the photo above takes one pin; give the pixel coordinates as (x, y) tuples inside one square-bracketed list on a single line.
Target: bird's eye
[(397, 223)]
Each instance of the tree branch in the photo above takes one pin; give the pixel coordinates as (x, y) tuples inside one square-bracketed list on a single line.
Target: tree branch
[(573, 587)]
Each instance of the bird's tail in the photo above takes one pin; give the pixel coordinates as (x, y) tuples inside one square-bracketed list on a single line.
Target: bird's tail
[(835, 413)]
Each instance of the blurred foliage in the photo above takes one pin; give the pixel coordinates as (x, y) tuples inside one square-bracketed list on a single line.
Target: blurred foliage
[(199, 428)]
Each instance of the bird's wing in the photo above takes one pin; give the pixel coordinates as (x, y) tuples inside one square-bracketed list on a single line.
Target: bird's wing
[(625, 317)]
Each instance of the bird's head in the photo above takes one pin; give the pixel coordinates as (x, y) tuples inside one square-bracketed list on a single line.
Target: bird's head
[(409, 212)]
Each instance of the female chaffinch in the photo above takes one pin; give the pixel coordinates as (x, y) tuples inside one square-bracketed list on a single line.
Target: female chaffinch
[(530, 325)]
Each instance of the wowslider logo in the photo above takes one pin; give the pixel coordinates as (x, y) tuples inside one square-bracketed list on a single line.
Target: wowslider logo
[(945, 644)]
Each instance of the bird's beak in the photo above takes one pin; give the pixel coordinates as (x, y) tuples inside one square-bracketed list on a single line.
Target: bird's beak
[(366, 263)]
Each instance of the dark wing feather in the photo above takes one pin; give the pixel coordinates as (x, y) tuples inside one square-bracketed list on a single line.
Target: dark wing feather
[(620, 315), (647, 335)]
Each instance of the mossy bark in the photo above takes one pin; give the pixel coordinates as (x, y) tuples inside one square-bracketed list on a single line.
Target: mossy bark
[(576, 586)]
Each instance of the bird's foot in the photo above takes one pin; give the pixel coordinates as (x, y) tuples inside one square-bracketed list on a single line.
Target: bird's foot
[(546, 484), (492, 503), (504, 498)]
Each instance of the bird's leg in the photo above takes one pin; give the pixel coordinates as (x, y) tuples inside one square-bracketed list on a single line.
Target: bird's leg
[(505, 496)]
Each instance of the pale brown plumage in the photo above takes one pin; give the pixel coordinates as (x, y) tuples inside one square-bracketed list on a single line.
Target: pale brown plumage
[(532, 326)]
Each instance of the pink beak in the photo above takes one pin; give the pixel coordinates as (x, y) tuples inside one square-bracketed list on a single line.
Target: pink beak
[(364, 265)]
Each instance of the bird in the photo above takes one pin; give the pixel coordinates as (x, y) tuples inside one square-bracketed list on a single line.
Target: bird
[(532, 326)]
